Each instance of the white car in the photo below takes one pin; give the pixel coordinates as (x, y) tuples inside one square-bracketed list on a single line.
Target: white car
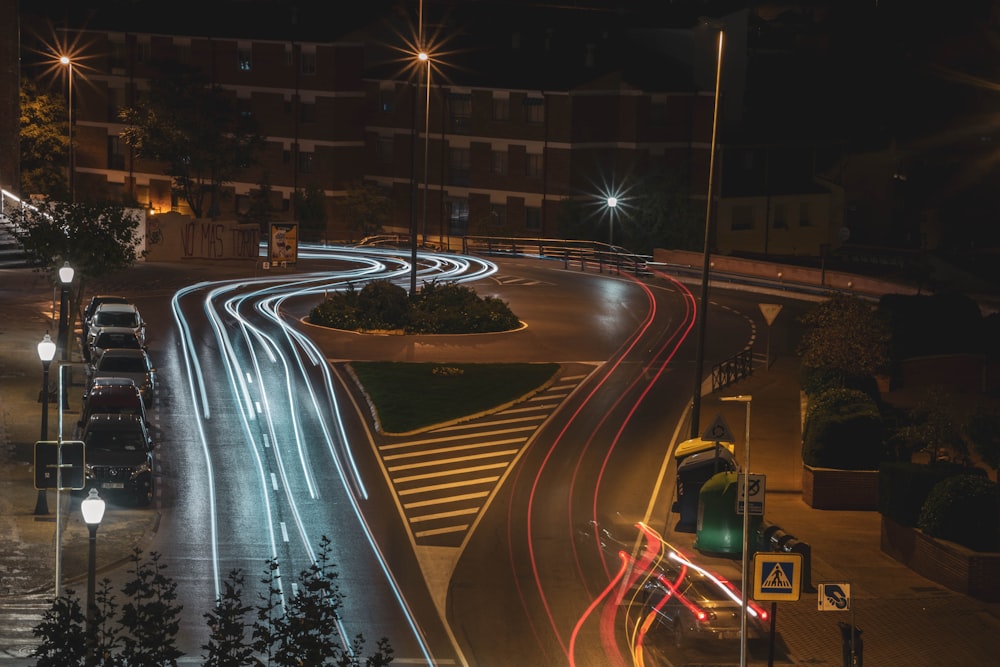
[(117, 315)]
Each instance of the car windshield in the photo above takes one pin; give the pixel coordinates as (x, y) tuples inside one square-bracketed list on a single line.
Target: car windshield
[(122, 364), (115, 440), (108, 340), (106, 319)]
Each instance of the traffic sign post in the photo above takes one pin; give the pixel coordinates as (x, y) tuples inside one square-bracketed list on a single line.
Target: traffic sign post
[(59, 465), (770, 312), (718, 431), (777, 577), (754, 494), (836, 596)]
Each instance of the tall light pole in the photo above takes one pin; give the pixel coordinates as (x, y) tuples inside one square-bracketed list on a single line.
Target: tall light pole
[(46, 353), (424, 57), (612, 205), (65, 60), (746, 400), (703, 303), (66, 273), (92, 508)]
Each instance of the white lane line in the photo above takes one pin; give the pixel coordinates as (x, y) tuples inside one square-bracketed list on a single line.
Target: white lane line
[(457, 448), (274, 481), (456, 459), (284, 531)]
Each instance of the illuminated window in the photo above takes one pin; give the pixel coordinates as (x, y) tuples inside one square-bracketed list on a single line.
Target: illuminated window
[(243, 59)]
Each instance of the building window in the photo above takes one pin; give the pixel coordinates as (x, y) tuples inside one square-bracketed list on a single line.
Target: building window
[(384, 148), (534, 109), (243, 59), (498, 215), (307, 112), (142, 51), (245, 107), (458, 216), (286, 156), (501, 108), (116, 101), (307, 62), (804, 218), (658, 113), (458, 166), (780, 216), (117, 59), (305, 162), (116, 153), (742, 219), (533, 217), (183, 51), (386, 98), (460, 110), (500, 163), (533, 165)]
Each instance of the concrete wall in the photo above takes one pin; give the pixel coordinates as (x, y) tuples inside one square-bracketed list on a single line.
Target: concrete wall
[(177, 237)]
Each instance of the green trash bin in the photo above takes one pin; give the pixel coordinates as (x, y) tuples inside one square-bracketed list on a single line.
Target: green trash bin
[(720, 527)]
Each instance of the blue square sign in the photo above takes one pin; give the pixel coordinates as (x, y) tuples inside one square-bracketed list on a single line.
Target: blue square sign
[(777, 577)]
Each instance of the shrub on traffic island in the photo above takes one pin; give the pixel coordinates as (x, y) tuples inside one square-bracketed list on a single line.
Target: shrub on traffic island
[(843, 429), (963, 509)]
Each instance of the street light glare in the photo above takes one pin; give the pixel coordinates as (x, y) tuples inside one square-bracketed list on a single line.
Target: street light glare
[(422, 55), (92, 507), (65, 60), (612, 202)]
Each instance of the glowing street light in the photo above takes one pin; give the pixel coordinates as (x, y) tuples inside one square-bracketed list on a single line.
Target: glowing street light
[(66, 273), (46, 353), (92, 507), (66, 60)]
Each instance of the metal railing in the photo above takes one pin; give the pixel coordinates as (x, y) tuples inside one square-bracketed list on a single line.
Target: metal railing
[(582, 254), (732, 370)]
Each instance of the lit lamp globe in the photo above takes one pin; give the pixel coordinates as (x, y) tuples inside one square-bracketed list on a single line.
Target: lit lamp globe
[(47, 349), (66, 273), (92, 508)]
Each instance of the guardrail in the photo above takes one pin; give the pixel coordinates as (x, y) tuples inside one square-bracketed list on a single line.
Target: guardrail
[(573, 253), (732, 370)]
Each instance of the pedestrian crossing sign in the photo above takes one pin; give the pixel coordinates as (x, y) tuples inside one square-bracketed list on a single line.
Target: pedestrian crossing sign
[(777, 577)]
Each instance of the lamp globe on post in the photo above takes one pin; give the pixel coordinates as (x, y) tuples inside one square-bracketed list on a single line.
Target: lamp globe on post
[(92, 507), (612, 205), (66, 274), (46, 352)]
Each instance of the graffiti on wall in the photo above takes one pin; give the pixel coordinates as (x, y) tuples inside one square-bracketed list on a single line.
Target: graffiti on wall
[(205, 239)]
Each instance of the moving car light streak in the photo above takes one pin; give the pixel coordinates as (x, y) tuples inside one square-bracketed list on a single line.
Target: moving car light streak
[(653, 369), (270, 369)]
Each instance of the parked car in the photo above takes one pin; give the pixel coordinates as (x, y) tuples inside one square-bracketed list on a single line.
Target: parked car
[(130, 364), (117, 396), (119, 456), (112, 337), (695, 604), (91, 308), (116, 315)]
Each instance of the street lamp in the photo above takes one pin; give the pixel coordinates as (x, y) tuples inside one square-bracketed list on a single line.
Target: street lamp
[(92, 508), (425, 58), (66, 279), (65, 60), (746, 524), (703, 303), (612, 205), (46, 352)]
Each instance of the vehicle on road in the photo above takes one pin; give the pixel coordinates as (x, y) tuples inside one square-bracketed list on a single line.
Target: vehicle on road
[(118, 396), (134, 365), (92, 305), (119, 456), (694, 604)]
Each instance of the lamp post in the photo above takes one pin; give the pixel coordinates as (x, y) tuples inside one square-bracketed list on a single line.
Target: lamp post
[(92, 508), (746, 400), (424, 57), (703, 302), (65, 60), (612, 205), (46, 352), (66, 273)]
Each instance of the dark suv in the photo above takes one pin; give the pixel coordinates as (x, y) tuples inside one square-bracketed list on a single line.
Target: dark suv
[(119, 455)]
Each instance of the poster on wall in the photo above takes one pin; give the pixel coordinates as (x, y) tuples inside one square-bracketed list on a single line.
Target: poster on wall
[(283, 245)]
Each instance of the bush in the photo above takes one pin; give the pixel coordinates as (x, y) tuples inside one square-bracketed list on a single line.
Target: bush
[(963, 509), (437, 309), (903, 487), (816, 380), (843, 429)]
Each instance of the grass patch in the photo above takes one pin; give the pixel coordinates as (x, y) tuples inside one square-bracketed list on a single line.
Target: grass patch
[(410, 396)]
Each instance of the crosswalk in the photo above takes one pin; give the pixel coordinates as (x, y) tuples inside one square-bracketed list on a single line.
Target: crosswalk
[(443, 478), (18, 616)]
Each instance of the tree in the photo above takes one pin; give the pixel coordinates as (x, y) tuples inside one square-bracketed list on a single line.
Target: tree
[(195, 129), (260, 211), (227, 646), (310, 211), (151, 617), (366, 208), (96, 239), (661, 214), (61, 631), (846, 336), (44, 143)]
